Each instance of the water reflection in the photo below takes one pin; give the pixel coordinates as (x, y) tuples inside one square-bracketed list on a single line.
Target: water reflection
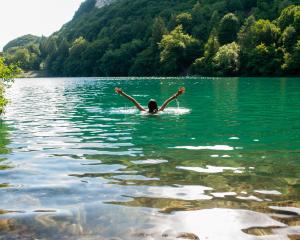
[(86, 166), (4, 138), (5, 165), (145, 224)]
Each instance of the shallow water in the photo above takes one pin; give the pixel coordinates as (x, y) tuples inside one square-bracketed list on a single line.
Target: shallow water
[(79, 162)]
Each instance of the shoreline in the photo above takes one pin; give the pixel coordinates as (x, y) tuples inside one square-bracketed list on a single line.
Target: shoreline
[(33, 74)]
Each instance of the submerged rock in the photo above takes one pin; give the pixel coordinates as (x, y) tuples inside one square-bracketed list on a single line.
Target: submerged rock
[(188, 236)]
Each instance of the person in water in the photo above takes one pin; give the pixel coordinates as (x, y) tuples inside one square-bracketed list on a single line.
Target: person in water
[(152, 105)]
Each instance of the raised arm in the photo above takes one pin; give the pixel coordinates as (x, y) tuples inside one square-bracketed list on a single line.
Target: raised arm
[(179, 92), (135, 102)]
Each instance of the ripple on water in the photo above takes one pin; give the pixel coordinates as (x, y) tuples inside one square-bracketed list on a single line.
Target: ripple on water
[(69, 145), (250, 198), (212, 169), (223, 194), (268, 192), (216, 223), (216, 147), (124, 111), (135, 177), (187, 192), (149, 161)]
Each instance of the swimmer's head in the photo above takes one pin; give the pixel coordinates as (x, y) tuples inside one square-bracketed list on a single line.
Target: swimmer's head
[(152, 106)]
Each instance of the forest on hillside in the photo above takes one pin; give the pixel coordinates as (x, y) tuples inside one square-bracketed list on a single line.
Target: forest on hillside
[(169, 38)]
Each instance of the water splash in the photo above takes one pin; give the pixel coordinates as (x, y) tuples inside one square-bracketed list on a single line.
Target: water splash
[(177, 102), (123, 110), (176, 111), (133, 111)]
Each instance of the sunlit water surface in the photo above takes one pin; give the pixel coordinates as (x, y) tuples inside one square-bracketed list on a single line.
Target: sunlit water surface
[(78, 161)]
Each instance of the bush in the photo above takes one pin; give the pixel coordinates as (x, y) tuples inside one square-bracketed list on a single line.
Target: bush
[(7, 73), (227, 60)]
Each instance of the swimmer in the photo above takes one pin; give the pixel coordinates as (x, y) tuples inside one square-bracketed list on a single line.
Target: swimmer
[(152, 105)]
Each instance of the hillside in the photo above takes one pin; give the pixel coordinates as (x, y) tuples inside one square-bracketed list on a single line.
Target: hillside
[(24, 51), (175, 37), (22, 41)]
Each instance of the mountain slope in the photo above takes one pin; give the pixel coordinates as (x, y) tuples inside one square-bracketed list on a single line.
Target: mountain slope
[(175, 37), (22, 41)]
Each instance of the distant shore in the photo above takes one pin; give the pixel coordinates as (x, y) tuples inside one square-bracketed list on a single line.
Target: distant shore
[(33, 74), (44, 74)]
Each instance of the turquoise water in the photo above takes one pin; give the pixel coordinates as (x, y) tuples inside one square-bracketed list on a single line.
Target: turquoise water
[(77, 161)]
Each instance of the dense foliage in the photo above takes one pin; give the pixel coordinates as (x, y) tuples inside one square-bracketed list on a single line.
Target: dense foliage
[(7, 73), (171, 37), (24, 51)]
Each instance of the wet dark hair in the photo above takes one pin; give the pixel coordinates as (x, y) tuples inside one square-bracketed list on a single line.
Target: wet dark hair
[(152, 106)]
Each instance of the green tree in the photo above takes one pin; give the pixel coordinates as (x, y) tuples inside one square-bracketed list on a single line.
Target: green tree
[(234, 5), (59, 58), (265, 9), (109, 32), (7, 73), (229, 26), (248, 4), (178, 51), (226, 62), (85, 7), (290, 16), (50, 47), (27, 57), (265, 32), (204, 64), (35, 56), (184, 19), (22, 57), (146, 63), (214, 20), (43, 47), (74, 63), (200, 14), (244, 35), (262, 31), (77, 47), (292, 61), (197, 11), (289, 38), (158, 30), (259, 42), (91, 57), (265, 60), (112, 62)]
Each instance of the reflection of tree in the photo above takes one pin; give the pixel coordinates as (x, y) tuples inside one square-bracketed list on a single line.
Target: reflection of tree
[(4, 138), (225, 101), (4, 141)]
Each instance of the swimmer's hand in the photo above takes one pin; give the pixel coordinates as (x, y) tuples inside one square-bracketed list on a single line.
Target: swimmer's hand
[(118, 90), (180, 91)]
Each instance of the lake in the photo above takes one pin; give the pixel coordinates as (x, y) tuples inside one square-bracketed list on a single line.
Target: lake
[(77, 161)]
